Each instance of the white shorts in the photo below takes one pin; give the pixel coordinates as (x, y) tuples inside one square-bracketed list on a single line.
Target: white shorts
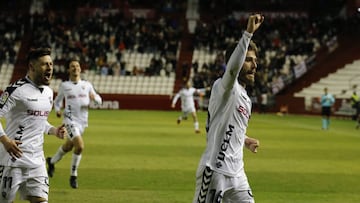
[(74, 129), (213, 187), (188, 109), (28, 181)]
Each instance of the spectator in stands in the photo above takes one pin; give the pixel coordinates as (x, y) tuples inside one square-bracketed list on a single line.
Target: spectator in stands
[(264, 98), (327, 101), (104, 70), (186, 94)]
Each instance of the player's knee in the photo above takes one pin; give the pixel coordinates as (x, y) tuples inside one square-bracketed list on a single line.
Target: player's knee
[(79, 149), (67, 148), (38, 200)]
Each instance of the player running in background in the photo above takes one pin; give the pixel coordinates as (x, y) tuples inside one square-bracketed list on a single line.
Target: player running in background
[(186, 94), (220, 176), (327, 100), (26, 105), (77, 94)]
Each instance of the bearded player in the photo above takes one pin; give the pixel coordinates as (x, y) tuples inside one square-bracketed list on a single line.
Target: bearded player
[(220, 175), (26, 105)]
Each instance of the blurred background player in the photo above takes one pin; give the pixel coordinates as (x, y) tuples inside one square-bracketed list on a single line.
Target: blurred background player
[(186, 94), (77, 94), (355, 104), (327, 101), (26, 105), (220, 176)]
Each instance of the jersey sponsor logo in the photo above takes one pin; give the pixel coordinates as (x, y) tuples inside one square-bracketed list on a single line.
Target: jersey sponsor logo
[(21, 130), (71, 97), (243, 111), (224, 146), (4, 98), (37, 113), (32, 100)]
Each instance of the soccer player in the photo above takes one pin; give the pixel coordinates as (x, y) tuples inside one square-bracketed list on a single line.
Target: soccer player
[(327, 101), (187, 103), (77, 94), (355, 104), (220, 176), (26, 105)]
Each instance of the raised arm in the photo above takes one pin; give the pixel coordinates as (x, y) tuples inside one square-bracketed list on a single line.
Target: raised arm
[(237, 58)]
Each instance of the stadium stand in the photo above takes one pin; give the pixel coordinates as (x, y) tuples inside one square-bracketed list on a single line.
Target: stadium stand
[(340, 83), (137, 48), (6, 72)]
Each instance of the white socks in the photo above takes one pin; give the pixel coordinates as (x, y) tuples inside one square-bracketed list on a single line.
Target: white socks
[(75, 162), (59, 154), (196, 125)]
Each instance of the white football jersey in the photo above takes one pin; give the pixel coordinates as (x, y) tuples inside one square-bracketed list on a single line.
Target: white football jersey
[(228, 116), (187, 98), (25, 107), (77, 100)]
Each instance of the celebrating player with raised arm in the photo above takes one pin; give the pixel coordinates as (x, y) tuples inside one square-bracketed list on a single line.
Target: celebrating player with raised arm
[(220, 176), (26, 105), (77, 94)]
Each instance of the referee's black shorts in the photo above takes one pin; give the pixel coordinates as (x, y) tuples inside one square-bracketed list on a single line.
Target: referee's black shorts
[(326, 110)]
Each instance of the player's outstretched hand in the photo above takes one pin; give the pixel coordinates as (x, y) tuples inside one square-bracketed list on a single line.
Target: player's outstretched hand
[(254, 22)]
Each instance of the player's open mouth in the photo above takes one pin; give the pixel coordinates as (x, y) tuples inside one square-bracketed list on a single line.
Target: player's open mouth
[(48, 76)]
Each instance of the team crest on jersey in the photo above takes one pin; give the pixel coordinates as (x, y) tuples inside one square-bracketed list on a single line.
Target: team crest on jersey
[(4, 98)]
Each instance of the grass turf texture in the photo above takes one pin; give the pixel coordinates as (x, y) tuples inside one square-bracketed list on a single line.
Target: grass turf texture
[(145, 157)]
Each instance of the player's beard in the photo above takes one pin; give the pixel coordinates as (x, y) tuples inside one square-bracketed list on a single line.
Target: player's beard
[(246, 78), (42, 78)]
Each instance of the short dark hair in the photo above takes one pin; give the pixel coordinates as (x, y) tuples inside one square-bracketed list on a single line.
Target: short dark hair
[(36, 53), (232, 46), (67, 65)]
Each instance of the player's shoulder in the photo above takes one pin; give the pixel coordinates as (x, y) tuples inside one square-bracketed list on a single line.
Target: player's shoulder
[(90, 85), (13, 87), (87, 82), (16, 85)]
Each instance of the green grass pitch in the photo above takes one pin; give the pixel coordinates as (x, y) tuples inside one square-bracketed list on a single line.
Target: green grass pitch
[(145, 157)]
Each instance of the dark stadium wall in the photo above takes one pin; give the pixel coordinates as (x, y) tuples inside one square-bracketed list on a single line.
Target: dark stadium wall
[(135, 102)]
